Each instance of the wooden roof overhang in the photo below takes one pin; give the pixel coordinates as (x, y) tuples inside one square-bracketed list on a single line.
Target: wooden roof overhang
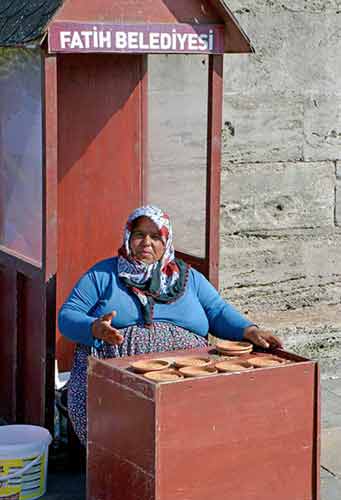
[(25, 21), (163, 12)]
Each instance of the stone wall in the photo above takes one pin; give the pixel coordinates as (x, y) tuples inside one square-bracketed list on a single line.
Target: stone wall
[(281, 178), (281, 167)]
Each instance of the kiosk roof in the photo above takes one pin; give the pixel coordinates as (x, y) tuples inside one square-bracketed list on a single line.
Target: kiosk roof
[(24, 21)]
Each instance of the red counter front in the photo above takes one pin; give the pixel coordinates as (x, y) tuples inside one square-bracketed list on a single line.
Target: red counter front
[(251, 435)]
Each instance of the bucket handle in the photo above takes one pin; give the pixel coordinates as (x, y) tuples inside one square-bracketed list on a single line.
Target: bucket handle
[(20, 472)]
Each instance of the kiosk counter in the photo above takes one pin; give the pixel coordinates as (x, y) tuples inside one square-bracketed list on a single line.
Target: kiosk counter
[(251, 434)]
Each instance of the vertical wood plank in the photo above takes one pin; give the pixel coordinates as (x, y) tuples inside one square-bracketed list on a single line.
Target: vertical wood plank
[(50, 218), (50, 346), (50, 165), (121, 436), (317, 437), (144, 128), (215, 103), (8, 339), (31, 350)]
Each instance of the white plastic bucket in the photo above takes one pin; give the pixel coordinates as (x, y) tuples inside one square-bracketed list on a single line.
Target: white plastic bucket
[(23, 461)]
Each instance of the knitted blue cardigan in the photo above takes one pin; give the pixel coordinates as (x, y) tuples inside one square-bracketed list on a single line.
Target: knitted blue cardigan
[(99, 291)]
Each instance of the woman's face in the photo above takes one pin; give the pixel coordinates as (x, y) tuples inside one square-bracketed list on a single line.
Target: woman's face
[(146, 243)]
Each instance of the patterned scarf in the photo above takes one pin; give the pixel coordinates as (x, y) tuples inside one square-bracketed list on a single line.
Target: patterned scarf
[(163, 281)]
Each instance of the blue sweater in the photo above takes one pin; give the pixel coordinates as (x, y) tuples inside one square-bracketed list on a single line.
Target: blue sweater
[(99, 291)]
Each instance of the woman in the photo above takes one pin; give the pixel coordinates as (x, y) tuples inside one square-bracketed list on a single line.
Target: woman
[(145, 300)]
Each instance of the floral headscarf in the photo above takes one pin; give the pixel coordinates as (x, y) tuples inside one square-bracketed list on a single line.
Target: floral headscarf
[(163, 281)]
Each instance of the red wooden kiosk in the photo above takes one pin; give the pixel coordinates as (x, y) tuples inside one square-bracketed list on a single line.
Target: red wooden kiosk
[(74, 159)]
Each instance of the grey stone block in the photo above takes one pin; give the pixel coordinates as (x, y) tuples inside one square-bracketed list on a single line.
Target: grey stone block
[(330, 418), (177, 143), (244, 6), (296, 52), (177, 73), (313, 332), (322, 128), (180, 189), (333, 386), (267, 127), (177, 128), (264, 273), (330, 488), (177, 109), (331, 443), (275, 196)]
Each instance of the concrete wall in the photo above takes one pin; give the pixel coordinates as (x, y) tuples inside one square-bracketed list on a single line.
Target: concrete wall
[(281, 168), (281, 180)]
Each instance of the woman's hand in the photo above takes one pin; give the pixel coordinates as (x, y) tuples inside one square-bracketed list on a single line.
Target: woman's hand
[(102, 329), (262, 338)]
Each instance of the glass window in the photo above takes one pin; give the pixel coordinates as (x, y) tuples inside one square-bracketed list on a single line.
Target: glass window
[(21, 152), (177, 145)]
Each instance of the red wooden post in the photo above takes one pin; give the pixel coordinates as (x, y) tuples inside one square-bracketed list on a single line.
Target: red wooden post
[(215, 104), (50, 166), (50, 218)]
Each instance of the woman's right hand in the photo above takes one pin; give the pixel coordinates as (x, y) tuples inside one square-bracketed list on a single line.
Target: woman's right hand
[(102, 329)]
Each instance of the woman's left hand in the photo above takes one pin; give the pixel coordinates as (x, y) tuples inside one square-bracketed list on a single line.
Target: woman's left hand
[(262, 338)]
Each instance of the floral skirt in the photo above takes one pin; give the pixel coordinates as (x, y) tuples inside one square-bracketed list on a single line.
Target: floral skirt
[(161, 337)]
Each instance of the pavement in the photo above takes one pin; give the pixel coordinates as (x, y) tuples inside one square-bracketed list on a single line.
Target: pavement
[(331, 438), (67, 481)]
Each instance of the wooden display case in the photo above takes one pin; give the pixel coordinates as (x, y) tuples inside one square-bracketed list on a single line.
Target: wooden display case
[(251, 435)]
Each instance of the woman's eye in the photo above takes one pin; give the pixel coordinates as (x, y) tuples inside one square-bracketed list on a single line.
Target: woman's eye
[(140, 236)]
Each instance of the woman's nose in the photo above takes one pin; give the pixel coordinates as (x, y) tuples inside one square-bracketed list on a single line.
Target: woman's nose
[(147, 239)]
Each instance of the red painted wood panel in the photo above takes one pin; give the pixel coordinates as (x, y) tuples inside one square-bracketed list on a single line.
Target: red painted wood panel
[(31, 362), (50, 198), (148, 11), (23, 340), (316, 484), (8, 338), (104, 479), (100, 161), (123, 422), (241, 436), (121, 435)]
